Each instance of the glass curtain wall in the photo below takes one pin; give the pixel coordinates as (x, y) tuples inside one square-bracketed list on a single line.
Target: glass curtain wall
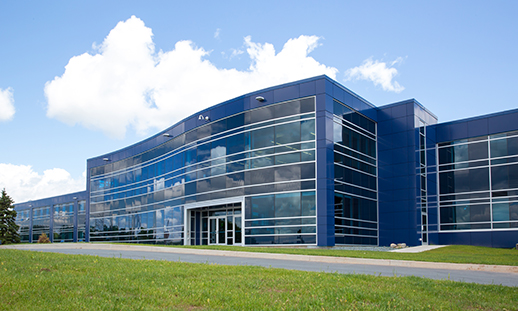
[(63, 227), (355, 164), (282, 218), (23, 219), (478, 183), (40, 222), (422, 197), (81, 220), (261, 151)]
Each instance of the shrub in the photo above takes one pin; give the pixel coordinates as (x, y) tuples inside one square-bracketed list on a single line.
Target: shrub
[(43, 238)]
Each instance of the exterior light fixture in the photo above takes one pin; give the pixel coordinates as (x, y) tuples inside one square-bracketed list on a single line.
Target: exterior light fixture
[(260, 98), (74, 198), (166, 135), (106, 159)]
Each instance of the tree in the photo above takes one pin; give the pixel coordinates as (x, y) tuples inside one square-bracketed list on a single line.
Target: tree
[(8, 227)]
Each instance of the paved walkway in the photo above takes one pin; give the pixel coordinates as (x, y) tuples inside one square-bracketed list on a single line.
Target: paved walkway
[(417, 249), (483, 274)]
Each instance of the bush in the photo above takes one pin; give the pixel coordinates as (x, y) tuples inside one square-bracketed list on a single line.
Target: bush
[(43, 238)]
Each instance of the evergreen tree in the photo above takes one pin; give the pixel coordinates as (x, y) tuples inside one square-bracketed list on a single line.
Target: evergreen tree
[(8, 227)]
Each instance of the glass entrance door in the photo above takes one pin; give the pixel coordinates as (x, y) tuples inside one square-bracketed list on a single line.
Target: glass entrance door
[(225, 230), (234, 230), (221, 224), (424, 228), (221, 230), (217, 230), (237, 230)]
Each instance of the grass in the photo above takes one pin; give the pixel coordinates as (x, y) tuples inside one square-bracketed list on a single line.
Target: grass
[(47, 281), (452, 253)]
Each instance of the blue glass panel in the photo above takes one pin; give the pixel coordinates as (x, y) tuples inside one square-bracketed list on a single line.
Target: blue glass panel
[(262, 206), (287, 133), (263, 138)]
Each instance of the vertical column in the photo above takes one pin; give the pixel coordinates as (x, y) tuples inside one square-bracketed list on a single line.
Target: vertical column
[(76, 211), (87, 206), (325, 173), (421, 168), (51, 223), (432, 185), (30, 223), (198, 228), (397, 179)]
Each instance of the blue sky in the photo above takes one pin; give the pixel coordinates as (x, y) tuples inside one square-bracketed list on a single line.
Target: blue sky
[(458, 58)]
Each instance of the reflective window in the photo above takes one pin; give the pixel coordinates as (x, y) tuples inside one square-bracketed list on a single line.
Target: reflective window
[(355, 177), (461, 153), (464, 180), (307, 130), (354, 140), (465, 213), (354, 117), (463, 186), (253, 153), (504, 147), (504, 177), (287, 205), (263, 138), (505, 211), (287, 133), (263, 207)]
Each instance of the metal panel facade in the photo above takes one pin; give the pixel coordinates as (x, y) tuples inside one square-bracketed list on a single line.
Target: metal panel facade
[(303, 163)]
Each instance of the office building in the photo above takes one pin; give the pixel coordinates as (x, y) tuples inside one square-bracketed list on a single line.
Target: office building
[(303, 163)]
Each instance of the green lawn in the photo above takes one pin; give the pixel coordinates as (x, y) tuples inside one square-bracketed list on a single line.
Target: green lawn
[(47, 281), (452, 253)]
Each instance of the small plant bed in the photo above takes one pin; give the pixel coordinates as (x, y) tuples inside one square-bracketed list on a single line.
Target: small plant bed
[(452, 253), (43, 238), (47, 281)]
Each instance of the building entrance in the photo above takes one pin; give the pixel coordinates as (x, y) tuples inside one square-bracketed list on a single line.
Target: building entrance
[(216, 225), (225, 230)]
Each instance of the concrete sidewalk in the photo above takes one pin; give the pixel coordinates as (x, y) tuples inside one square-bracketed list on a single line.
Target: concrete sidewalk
[(417, 249), (302, 258)]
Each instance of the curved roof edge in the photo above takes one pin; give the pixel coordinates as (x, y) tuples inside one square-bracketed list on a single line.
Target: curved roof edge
[(158, 138), (241, 97)]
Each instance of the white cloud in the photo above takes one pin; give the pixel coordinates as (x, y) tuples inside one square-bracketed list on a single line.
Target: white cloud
[(236, 52), (216, 34), (377, 72), (22, 183), (126, 84), (6, 104)]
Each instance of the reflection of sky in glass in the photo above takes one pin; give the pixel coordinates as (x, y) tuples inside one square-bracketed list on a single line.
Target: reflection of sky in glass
[(154, 176), (461, 153), (461, 214), (159, 183), (501, 212), (217, 152), (337, 132), (498, 148)]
